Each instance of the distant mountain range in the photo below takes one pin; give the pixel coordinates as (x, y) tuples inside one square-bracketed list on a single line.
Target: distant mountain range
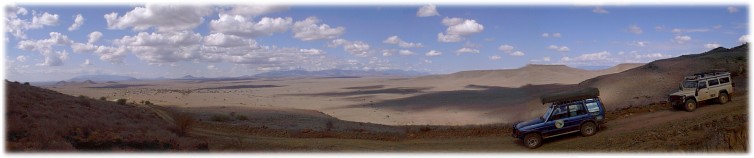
[(337, 73), (101, 78)]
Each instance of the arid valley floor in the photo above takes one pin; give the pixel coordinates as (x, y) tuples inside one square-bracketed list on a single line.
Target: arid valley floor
[(467, 111)]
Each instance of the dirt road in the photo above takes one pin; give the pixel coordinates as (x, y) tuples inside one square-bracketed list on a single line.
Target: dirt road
[(712, 127)]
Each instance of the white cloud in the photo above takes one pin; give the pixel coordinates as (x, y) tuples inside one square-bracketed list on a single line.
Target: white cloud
[(467, 50), (427, 10), (677, 30), (600, 10), (554, 35), (308, 30), (652, 56), (86, 63), (743, 39), (223, 40), (457, 28), (427, 61), (516, 54), (167, 47), (161, 17), (94, 37), (357, 48), (21, 58), (732, 9), (681, 39), (54, 59), (598, 56), (211, 67), (558, 48), (76, 23), (312, 51), (711, 45), (17, 27), (505, 48), (401, 43), (449, 38), (544, 59), (241, 26), (495, 57), (45, 47), (635, 29), (406, 52), (432, 53), (256, 10), (639, 43)]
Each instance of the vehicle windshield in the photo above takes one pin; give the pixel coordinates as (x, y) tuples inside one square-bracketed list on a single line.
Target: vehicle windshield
[(547, 114), (689, 84)]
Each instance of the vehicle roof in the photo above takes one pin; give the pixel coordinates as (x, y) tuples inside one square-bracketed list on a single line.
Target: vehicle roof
[(707, 75), (573, 94)]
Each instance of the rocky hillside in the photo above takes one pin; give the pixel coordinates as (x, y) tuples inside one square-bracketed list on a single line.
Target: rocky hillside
[(43, 120), (654, 81)]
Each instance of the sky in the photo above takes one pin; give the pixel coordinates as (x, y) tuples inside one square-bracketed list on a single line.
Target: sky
[(58, 42)]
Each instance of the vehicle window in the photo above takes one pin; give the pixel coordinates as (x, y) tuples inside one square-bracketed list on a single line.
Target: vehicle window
[(593, 108), (689, 84), (560, 112), (702, 84), (724, 80), (576, 110), (712, 82)]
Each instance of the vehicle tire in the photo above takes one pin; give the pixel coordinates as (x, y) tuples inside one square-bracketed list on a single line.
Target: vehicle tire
[(588, 129), (532, 140), (723, 98), (689, 105)]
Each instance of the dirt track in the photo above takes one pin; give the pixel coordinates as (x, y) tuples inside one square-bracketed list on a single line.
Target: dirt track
[(712, 128)]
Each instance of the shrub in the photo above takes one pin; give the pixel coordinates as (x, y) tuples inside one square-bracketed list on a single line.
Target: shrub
[(103, 98), (425, 129), (26, 83), (122, 101), (148, 103), (329, 125), (183, 123), (84, 101), (241, 117), (220, 118)]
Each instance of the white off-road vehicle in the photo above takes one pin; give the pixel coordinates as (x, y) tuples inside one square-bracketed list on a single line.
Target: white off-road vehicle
[(715, 85)]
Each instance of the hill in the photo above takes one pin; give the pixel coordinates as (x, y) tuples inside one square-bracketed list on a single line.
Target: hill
[(43, 120), (101, 78), (338, 73), (529, 74), (652, 82)]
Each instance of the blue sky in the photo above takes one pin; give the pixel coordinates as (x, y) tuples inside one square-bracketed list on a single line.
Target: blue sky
[(149, 41)]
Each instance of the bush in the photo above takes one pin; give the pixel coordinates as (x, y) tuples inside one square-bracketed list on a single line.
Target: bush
[(84, 101), (148, 103), (26, 83), (220, 118), (183, 123), (103, 98), (329, 125), (241, 117), (122, 101)]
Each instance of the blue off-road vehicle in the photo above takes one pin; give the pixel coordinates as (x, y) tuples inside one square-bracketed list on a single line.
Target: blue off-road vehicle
[(578, 110)]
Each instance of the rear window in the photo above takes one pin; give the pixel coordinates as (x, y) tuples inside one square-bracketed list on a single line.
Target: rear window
[(724, 80), (713, 82), (593, 108)]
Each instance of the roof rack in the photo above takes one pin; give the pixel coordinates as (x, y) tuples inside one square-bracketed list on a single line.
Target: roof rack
[(711, 73)]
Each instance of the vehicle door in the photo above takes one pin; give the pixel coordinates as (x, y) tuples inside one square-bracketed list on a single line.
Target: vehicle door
[(577, 113), (556, 121), (713, 87), (702, 91)]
